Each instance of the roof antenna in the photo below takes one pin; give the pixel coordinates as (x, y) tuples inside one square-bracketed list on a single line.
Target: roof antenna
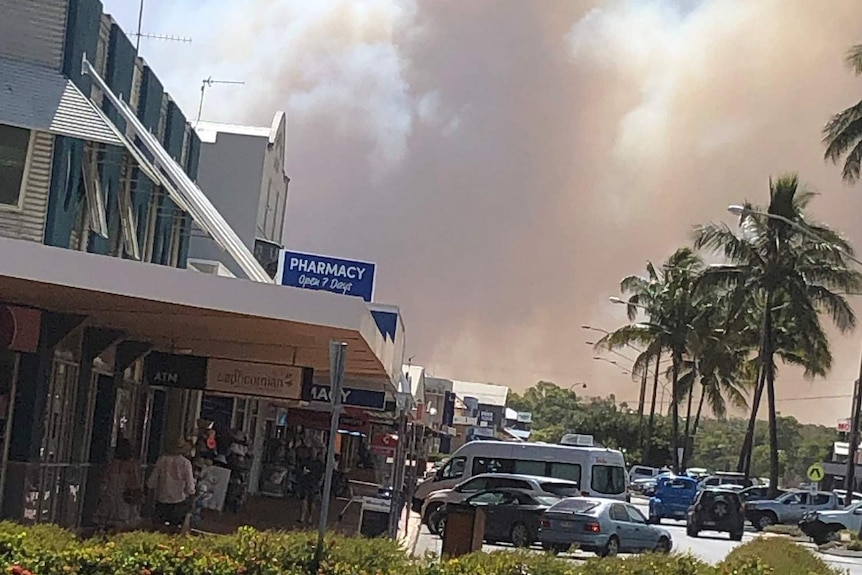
[(208, 83), (139, 34)]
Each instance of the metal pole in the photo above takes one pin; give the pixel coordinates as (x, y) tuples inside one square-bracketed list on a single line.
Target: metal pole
[(849, 475), (337, 356), (398, 472)]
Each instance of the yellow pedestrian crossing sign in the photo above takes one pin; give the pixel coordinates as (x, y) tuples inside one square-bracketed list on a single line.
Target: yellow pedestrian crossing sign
[(816, 472)]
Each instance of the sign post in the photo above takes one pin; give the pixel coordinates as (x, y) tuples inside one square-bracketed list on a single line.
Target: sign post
[(337, 357)]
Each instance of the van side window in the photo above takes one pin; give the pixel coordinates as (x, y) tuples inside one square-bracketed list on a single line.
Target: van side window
[(568, 471), (492, 465), (454, 468), (537, 468)]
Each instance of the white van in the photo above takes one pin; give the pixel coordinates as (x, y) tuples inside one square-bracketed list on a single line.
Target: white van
[(599, 472)]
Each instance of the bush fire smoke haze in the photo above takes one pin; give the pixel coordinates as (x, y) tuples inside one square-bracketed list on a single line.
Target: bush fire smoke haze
[(506, 163)]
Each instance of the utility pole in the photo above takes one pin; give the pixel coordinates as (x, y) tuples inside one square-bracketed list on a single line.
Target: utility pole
[(850, 474)]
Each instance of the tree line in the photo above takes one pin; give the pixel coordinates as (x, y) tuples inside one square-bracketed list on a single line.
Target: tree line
[(719, 332), (557, 411)]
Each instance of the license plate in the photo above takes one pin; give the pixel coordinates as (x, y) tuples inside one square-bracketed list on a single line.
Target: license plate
[(567, 525), (709, 523)]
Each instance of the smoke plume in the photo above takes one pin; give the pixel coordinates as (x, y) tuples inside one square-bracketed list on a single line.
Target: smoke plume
[(507, 162)]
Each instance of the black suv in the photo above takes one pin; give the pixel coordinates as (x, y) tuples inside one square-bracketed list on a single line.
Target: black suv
[(716, 510)]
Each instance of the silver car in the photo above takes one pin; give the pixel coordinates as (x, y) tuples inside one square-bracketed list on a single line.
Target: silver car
[(603, 526), (431, 510)]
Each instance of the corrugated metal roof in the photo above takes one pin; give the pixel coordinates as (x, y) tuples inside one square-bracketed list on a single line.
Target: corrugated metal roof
[(486, 393), (39, 98)]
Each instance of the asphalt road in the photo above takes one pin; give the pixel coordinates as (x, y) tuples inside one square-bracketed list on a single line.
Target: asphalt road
[(709, 546)]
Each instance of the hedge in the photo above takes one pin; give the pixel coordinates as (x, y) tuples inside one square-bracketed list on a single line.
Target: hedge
[(49, 550)]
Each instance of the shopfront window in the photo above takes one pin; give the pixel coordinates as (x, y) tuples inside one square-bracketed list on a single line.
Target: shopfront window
[(14, 144)]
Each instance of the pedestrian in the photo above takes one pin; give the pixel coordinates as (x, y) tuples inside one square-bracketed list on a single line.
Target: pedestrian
[(310, 482), (173, 481), (121, 491)]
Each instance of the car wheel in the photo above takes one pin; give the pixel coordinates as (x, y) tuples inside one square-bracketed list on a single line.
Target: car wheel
[(663, 546), (520, 535), (430, 518), (691, 530), (736, 536), (764, 520), (440, 523), (611, 548)]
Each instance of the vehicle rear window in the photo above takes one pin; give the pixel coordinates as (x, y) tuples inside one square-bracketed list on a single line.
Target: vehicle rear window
[(562, 489), (546, 500), (608, 479), (575, 505)]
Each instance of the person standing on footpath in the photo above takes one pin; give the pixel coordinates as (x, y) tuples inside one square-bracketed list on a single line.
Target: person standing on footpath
[(173, 481), (310, 482)]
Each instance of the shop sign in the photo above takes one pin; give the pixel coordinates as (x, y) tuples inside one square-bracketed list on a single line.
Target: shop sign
[(524, 417), (487, 416), (463, 420), (172, 370), (309, 271), (349, 396), (844, 426), (349, 420), (384, 443), (257, 379)]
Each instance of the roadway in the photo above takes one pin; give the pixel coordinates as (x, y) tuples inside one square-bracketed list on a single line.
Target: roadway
[(710, 547)]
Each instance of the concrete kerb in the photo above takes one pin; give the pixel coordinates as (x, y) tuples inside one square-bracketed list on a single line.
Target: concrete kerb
[(409, 536)]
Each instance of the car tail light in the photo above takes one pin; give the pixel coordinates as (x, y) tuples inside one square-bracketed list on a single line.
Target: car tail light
[(592, 527), (544, 524)]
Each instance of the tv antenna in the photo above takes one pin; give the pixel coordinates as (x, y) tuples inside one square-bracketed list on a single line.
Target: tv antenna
[(139, 34), (209, 83)]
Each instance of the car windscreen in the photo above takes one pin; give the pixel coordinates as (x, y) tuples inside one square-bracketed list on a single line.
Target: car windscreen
[(574, 506), (562, 489)]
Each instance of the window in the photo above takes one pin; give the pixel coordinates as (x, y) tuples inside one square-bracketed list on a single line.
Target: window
[(562, 489), (505, 482), (454, 468), (14, 144), (492, 465), (618, 513), (474, 485), (821, 499), (488, 498), (794, 499), (546, 500), (609, 479), (530, 468), (568, 471), (576, 505), (635, 515)]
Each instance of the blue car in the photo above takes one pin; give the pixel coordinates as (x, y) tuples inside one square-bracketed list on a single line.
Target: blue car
[(673, 496)]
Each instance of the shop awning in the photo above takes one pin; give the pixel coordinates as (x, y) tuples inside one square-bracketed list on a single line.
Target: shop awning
[(41, 98), (188, 312)]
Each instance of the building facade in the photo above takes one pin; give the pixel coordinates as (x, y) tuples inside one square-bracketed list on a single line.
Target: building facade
[(242, 172), (68, 180)]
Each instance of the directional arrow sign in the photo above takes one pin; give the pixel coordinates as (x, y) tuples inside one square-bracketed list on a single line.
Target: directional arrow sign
[(816, 472)]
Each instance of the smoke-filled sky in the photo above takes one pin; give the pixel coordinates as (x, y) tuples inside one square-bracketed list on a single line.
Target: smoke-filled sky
[(506, 162)]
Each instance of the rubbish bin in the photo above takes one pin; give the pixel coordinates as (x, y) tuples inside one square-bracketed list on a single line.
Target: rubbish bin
[(464, 530), (374, 516)]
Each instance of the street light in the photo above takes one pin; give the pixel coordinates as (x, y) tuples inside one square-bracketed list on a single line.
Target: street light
[(606, 332), (612, 362), (743, 211), (622, 355)]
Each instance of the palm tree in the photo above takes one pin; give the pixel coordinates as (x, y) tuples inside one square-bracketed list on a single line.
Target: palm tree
[(791, 271), (667, 298), (842, 135)]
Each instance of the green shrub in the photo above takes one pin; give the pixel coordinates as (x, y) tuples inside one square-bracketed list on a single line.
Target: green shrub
[(48, 550), (774, 555)]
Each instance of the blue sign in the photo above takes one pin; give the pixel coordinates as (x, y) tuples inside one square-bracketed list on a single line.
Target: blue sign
[(349, 396), (345, 277)]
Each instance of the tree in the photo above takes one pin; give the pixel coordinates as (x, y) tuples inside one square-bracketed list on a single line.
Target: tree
[(842, 135), (790, 271), (669, 301)]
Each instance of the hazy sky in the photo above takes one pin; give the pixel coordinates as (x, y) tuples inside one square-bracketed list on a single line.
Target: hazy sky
[(507, 162)]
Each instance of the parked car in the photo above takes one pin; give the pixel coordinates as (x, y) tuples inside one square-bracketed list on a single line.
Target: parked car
[(647, 486), (511, 515), (821, 526), (673, 496), (789, 508), (757, 493), (697, 473), (724, 478), (642, 472), (716, 510), (434, 519), (842, 496), (602, 526)]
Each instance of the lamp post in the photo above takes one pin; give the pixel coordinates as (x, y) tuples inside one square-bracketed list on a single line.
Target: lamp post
[(856, 407)]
